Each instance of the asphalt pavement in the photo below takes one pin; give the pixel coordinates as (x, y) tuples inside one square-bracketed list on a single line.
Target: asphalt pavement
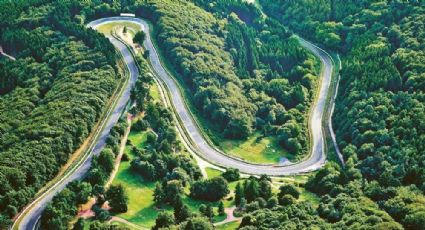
[(209, 153)]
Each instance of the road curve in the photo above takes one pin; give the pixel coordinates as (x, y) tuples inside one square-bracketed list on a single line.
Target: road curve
[(316, 160), (209, 153), (30, 218)]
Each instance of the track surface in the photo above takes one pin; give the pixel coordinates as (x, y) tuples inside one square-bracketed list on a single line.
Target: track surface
[(204, 150), (209, 153), (30, 219)]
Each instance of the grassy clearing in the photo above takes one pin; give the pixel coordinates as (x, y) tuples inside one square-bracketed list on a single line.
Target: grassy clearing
[(211, 173), (256, 149), (141, 207), (107, 27), (229, 226), (155, 94), (309, 196)]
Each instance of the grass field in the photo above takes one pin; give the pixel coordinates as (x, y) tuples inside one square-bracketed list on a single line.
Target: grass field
[(141, 207), (256, 149), (211, 173), (107, 27), (229, 226)]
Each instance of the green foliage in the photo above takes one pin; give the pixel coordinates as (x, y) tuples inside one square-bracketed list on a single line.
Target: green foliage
[(181, 211), (210, 190), (51, 97), (231, 174), (164, 219), (196, 223), (117, 198), (63, 207), (288, 189), (139, 37), (221, 209), (297, 216), (233, 98), (379, 108)]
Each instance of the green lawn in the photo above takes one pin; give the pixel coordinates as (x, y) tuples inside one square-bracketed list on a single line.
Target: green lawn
[(107, 27), (155, 94), (211, 173), (141, 208), (256, 149), (229, 226)]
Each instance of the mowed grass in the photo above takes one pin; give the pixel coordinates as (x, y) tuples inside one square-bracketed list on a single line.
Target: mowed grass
[(155, 94), (211, 173), (256, 149), (142, 210), (229, 226), (141, 207), (108, 27)]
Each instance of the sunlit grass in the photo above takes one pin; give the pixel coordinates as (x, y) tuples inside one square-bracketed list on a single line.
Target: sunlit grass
[(256, 149), (211, 173), (108, 27), (229, 226)]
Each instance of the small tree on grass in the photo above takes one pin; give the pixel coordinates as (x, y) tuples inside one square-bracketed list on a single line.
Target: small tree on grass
[(158, 194), (181, 211), (124, 30), (117, 198), (238, 194), (139, 37), (231, 174), (164, 219), (289, 189), (207, 211), (210, 190), (197, 223), (221, 209)]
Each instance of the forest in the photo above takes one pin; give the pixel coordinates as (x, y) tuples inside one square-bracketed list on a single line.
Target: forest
[(243, 76), (246, 73), (50, 97), (379, 117)]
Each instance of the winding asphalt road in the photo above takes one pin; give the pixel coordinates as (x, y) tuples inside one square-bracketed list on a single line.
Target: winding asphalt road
[(317, 158), (211, 154), (30, 218)]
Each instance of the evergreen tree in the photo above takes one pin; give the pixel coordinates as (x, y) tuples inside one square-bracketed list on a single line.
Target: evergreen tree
[(239, 194), (209, 212), (221, 209), (181, 211), (252, 190), (164, 219), (158, 194), (117, 198)]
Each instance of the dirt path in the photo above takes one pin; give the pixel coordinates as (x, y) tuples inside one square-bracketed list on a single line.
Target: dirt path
[(126, 222), (230, 217), (122, 149)]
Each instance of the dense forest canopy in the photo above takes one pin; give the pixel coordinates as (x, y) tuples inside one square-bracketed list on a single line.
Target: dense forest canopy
[(245, 73), (50, 97)]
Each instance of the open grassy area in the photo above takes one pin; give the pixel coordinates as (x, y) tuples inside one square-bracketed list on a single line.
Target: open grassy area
[(256, 149), (211, 173), (229, 226), (107, 27), (141, 207)]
